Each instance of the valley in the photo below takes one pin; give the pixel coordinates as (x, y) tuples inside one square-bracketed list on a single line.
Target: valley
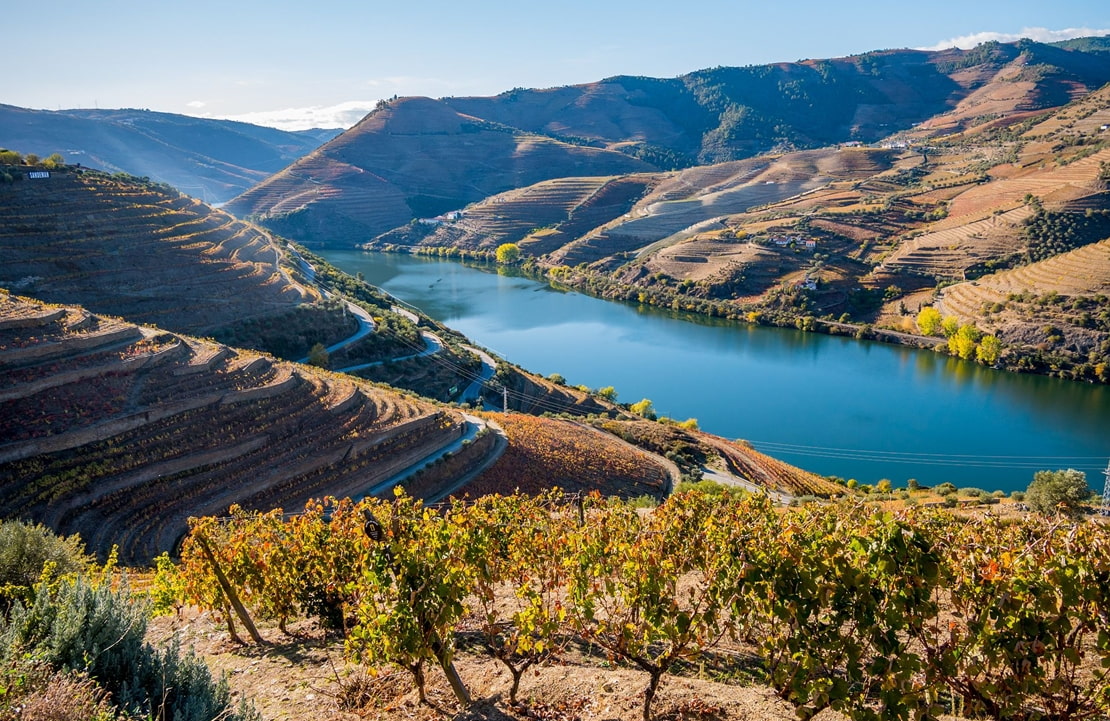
[(754, 387)]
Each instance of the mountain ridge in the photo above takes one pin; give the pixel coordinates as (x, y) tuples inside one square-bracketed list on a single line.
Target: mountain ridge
[(210, 159)]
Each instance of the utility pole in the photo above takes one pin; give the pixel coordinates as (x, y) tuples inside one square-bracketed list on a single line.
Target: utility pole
[(505, 404), (1105, 510)]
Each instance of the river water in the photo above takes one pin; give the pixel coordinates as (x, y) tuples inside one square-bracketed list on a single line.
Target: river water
[(836, 406)]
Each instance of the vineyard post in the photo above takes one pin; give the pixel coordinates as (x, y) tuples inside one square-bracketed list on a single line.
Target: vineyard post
[(229, 590)]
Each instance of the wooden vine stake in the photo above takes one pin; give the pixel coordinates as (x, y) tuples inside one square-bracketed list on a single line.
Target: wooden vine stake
[(229, 590)]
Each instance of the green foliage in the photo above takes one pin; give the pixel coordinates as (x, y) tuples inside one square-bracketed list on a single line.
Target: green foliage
[(929, 320), (318, 356), (624, 591), (85, 625), (1051, 232), (875, 615), (964, 341), (1053, 492), (989, 350), (27, 550), (644, 408), (608, 393), (519, 548), (416, 580), (508, 253)]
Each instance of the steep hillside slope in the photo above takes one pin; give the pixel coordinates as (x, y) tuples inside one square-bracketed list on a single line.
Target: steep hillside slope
[(728, 113), (121, 433), (413, 157), (418, 158), (209, 159), (139, 250)]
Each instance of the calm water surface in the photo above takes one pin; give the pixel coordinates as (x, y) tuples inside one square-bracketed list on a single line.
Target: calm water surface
[(855, 409)]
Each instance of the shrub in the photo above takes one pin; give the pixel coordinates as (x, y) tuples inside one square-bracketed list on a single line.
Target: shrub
[(85, 626), (1057, 491), (26, 548)]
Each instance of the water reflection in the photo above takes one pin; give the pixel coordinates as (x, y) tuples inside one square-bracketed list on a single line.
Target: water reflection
[(773, 385)]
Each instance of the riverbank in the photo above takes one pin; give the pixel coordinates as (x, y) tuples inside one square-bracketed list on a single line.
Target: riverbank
[(828, 403), (781, 312)]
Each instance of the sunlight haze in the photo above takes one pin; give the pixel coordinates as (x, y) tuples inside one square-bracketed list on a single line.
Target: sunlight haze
[(298, 65)]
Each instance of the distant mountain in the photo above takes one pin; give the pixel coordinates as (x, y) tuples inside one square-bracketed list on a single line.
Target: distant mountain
[(417, 157), (209, 159), (414, 157)]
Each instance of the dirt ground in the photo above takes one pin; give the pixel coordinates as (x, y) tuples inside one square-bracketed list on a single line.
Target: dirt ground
[(302, 678)]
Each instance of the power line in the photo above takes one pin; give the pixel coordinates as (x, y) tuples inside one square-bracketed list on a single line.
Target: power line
[(925, 459)]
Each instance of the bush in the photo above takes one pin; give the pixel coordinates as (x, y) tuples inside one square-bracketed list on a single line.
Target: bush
[(26, 548), (85, 626), (1057, 491)]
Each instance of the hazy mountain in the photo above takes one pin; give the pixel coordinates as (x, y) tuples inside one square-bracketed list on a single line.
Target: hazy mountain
[(210, 159)]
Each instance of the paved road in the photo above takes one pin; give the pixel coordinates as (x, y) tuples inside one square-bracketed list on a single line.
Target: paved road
[(473, 426), (489, 367), (432, 345), (727, 479), (365, 328)]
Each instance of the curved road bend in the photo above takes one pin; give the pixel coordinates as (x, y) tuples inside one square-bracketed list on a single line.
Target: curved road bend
[(489, 368), (727, 479), (365, 328), (432, 345), (474, 424)]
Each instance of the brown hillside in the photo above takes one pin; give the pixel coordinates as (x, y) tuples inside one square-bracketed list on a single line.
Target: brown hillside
[(547, 452), (140, 250), (415, 157), (1058, 302), (120, 433)]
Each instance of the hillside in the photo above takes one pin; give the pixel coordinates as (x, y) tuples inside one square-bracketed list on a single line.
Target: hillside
[(413, 157), (141, 250), (852, 239), (209, 159), (120, 432), (418, 158)]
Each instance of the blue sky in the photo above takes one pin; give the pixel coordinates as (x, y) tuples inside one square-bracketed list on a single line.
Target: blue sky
[(298, 64)]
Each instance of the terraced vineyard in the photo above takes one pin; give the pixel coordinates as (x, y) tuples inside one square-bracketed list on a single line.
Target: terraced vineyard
[(121, 433), (948, 253), (547, 452), (130, 248), (1060, 300)]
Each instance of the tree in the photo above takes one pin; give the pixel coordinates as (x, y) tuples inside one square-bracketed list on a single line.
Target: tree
[(31, 159), (1057, 491), (990, 348), (644, 408), (950, 325), (508, 253), (928, 320), (608, 393), (963, 342), (54, 161), (10, 157), (318, 356)]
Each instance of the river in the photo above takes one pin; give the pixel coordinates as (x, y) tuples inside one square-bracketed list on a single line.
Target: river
[(833, 405)]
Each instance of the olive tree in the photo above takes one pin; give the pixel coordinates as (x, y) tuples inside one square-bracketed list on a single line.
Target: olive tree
[(1057, 491)]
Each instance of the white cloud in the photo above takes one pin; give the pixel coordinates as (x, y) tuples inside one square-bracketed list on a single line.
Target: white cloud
[(341, 115), (1043, 35), (198, 104)]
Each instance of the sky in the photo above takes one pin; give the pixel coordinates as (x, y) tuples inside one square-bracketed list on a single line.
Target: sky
[(325, 63)]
